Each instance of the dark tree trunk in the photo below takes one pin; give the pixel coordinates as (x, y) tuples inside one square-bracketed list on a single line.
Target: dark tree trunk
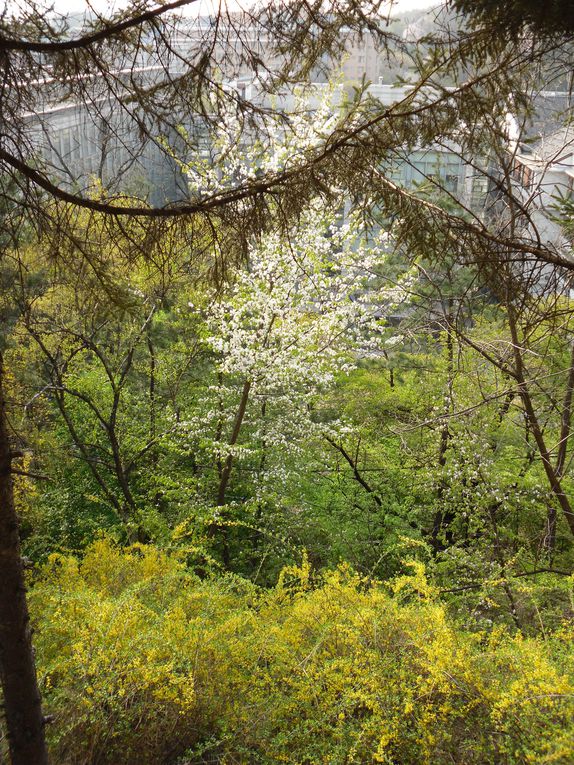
[(553, 476), (443, 518), (225, 473), (549, 541), (22, 705), (152, 399)]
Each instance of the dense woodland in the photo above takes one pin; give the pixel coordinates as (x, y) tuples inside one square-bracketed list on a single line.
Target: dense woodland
[(291, 459)]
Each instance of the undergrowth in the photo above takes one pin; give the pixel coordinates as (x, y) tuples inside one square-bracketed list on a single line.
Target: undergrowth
[(142, 662)]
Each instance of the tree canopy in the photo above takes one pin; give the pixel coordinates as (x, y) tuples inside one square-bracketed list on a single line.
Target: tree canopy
[(326, 370)]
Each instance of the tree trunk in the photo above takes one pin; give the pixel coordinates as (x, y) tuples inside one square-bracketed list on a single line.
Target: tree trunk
[(22, 705), (549, 540), (554, 478), (225, 473), (443, 518)]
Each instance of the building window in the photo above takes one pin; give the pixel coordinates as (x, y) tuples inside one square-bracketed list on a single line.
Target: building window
[(451, 182), (522, 174)]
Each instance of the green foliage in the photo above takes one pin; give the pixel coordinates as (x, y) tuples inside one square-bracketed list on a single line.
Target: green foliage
[(140, 661), (225, 388), (555, 17)]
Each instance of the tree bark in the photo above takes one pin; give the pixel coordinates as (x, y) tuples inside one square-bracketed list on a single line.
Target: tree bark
[(549, 541), (226, 472), (443, 518), (22, 705), (554, 478), (355, 468)]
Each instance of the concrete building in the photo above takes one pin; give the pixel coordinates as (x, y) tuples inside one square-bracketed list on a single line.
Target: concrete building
[(542, 172), (125, 148), (443, 164), (104, 141)]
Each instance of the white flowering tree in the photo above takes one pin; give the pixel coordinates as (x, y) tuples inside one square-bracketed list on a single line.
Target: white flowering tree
[(300, 313)]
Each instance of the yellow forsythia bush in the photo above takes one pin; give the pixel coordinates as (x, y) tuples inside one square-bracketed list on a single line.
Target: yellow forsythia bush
[(141, 662), (109, 663)]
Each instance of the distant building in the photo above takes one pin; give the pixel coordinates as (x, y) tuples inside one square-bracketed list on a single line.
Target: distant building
[(125, 149), (362, 61), (542, 172), (443, 165), (100, 141), (527, 186)]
